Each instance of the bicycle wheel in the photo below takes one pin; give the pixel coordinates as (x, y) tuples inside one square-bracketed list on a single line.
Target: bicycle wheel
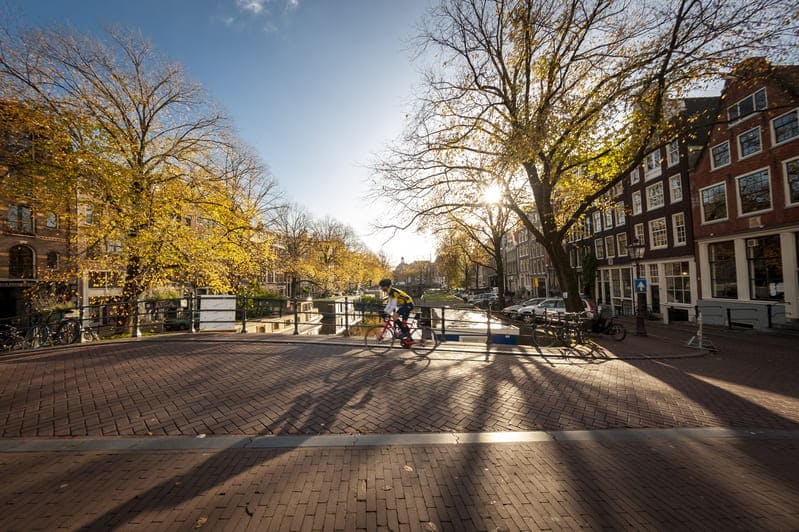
[(617, 332), (67, 333), (544, 336), (423, 340), (378, 339)]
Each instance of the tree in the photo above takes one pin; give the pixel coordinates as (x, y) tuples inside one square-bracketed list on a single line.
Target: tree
[(164, 189), (558, 101)]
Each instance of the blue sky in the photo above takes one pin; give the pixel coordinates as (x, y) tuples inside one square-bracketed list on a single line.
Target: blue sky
[(316, 86)]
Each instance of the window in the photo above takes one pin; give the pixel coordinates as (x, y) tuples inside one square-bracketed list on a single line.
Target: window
[(620, 216), (723, 281), (618, 189), (610, 246), (638, 235), (786, 127), (103, 279), (714, 203), (20, 219), (652, 165), (52, 260), (791, 169), (765, 267), (20, 262), (720, 155), (678, 225), (754, 192), (88, 214), (749, 143), (597, 222), (637, 209), (675, 188), (654, 196), (673, 153), (608, 219), (750, 104), (658, 234), (678, 282), (621, 244), (635, 176), (599, 248), (114, 246), (51, 221)]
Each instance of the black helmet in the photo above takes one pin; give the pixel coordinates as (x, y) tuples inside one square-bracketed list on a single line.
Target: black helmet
[(385, 282)]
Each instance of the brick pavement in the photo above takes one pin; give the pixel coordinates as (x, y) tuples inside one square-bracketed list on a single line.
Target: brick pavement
[(246, 386)]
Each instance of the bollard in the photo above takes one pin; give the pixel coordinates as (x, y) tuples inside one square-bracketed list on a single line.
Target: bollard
[(192, 302), (768, 312), (488, 325), (136, 332), (296, 318), (244, 315), (443, 321), (346, 317), (80, 324)]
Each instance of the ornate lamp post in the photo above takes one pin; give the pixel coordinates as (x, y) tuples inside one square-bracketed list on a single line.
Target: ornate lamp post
[(636, 251)]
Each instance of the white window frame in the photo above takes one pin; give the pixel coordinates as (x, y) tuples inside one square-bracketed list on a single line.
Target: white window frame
[(673, 153), (652, 241), (678, 179), (741, 156), (649, 205), (609, 218), (713, 165), (621, 217), (619, 238), (599, 248), (597, 222), (726, 203), (639, 233), (635, 176), (739, 118), (638, 206), (774, 132), (651, 172), (785, 183), (738, 178), (675, 229), (610, 246)]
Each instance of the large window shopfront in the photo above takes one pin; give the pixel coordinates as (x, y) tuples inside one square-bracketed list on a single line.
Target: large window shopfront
[(671, 285), (752, 279)]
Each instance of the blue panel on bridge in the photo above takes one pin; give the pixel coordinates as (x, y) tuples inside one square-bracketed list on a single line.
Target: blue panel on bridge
[(507, 339)]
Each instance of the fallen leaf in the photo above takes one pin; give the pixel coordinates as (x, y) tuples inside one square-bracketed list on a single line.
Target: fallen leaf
[(200, 522), (430, 526), (407, 468), (149, 433), (201, 435), (386, 488)]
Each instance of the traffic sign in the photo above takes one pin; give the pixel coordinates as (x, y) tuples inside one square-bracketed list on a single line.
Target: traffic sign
[(640, 286)]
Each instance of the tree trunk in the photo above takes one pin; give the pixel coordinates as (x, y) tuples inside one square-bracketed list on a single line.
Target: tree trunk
[(567, 276)]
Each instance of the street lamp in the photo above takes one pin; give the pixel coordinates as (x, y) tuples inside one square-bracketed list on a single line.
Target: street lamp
[(636, 251)]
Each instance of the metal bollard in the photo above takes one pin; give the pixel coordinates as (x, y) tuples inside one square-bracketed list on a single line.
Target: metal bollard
[(296, 318), (346, 317), (488, 325), (244, 315)]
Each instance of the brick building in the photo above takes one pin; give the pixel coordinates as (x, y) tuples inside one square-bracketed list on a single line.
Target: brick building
[(745, 196)]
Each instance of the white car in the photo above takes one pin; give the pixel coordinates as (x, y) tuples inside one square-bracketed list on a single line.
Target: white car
[(513, 310), (552, 307)]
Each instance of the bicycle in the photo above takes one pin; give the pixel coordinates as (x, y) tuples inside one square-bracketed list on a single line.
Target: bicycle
[(566, 329), (69, 331), (420, 339), (11, 338)]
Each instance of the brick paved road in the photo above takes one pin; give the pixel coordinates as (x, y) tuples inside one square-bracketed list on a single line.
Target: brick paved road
[(711, 484), (256, 388), (249, 387)]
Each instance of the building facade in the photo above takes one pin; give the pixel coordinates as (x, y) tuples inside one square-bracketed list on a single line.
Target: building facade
[(746, 200)]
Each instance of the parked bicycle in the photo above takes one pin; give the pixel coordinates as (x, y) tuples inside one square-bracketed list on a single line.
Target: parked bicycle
[(605, 324), (11, 338), (69, 331), (566, 329), (420, 339)]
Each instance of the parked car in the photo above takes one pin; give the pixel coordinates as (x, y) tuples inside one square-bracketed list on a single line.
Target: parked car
[(485, 299), (513, 310), (553, 306)]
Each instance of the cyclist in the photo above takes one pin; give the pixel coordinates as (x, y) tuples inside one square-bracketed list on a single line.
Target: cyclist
[(399, 304)]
